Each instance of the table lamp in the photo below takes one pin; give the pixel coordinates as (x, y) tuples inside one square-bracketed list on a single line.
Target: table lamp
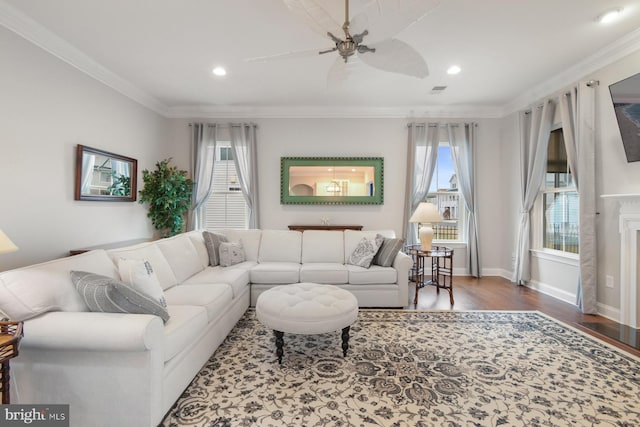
[(425, 214), (6, 245)]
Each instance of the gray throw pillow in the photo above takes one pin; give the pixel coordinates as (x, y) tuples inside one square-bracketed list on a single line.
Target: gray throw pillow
[(231, 253), (212, 242), (388, 251), (108, 295), (363, 254)]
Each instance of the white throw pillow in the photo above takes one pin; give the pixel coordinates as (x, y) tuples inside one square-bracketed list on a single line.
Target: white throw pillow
[(139, 274), (365, 251), (231, 253)]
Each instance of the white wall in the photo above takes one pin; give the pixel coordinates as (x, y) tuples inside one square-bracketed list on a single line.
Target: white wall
[(48, 107), (385, 138)]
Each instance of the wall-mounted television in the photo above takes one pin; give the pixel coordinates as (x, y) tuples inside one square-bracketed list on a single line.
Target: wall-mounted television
[(625, 95)]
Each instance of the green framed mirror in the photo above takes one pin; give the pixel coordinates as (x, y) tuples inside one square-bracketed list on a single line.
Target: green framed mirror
[(331, 180)]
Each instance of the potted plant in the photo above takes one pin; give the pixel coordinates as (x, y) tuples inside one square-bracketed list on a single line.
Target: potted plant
[(168, 192)]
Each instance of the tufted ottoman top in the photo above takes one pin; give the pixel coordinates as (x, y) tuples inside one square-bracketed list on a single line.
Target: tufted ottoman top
[(306, 308)]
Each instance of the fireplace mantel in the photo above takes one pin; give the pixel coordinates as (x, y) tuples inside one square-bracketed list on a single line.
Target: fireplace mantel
[(629, 227)]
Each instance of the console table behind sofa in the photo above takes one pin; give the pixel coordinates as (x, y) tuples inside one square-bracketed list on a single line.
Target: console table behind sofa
[(325, 227)]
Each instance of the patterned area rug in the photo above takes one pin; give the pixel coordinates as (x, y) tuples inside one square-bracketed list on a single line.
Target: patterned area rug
[(416, 368)]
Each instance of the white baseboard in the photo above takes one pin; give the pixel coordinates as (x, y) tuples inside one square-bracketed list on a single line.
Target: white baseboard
[(500, 272), (609, 312), (552, 291)]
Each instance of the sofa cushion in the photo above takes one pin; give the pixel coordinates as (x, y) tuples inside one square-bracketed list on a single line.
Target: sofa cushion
[(198, 242), (236, 277), (215, 298), (231, 253), (186, 324), (280, 246), (363, 254), (388, 251), (324, 272), (152, 253), (181, 255), (373, 275), (275, 272), (353, 237), (323, 246), (212, 242), (108, 295), (29, 291), (139, 275), (250, 241)]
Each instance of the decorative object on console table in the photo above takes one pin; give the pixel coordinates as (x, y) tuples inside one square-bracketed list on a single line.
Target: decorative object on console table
[(426, 214), (325, 227), (168, 192), (6, 245), (10, 336), (441, 269)]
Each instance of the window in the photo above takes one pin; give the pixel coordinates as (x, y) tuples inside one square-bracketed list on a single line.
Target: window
[(226, 206), (559, 199), (445, 195)]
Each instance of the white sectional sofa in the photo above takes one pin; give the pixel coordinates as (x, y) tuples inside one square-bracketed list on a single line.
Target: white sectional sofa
[(128, 369)]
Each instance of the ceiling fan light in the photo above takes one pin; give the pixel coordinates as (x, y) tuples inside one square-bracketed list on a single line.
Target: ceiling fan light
[(219, 71), (454, 69), (610, 15)]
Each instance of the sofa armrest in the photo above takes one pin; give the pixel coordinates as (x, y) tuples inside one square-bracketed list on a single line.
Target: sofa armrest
[(90, 331), (402, 263)]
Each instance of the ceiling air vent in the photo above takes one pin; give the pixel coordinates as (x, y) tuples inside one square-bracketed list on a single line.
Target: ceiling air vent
[(438, 89)]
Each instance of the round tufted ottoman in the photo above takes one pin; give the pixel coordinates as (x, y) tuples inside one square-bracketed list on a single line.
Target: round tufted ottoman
[(307, 308)]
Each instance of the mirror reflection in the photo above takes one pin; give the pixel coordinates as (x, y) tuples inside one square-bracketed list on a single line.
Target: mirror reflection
[(101, 175), (331, 181)]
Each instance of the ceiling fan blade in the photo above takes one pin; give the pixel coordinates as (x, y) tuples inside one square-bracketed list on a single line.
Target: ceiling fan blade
[(288, 55), (397, 57), (385, 19), (315, 16)]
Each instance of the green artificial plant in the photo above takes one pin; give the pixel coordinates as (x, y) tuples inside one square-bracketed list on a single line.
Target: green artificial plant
[(168, 192)]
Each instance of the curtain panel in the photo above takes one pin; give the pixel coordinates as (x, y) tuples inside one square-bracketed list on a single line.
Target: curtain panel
[(535, 128), (203, 146), (577, 109), (462, 139), (422, 155), (243, 144)]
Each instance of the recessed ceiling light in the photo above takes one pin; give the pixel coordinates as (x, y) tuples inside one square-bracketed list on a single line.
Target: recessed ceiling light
[(454, 69), (610, 15), (219, 71)]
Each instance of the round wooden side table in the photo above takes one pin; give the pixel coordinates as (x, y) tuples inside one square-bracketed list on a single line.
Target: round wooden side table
[(10, 336)]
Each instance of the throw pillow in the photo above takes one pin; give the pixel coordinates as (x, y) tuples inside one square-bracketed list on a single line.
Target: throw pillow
[(104, 294), (139, 274), (363, 254), (212, 241), (387, 252), (231, 253)]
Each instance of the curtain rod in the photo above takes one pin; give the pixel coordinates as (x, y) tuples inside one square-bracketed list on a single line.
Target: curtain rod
[(433, 125), (225, 125)]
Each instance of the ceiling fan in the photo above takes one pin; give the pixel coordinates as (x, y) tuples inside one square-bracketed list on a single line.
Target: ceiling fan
[(367, 36)]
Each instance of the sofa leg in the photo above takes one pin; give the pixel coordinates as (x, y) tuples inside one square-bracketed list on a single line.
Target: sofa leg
[(279, 343), (345, 340)]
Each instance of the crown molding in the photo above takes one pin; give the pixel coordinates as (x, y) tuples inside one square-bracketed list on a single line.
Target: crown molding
[(332, 112), (617, 50), (32, 31)]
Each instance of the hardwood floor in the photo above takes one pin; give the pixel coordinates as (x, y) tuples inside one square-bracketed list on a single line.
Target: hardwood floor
[(496, 293)]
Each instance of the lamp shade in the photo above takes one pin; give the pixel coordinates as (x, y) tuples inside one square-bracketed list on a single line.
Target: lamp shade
[(426, 213), (6, 245)]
